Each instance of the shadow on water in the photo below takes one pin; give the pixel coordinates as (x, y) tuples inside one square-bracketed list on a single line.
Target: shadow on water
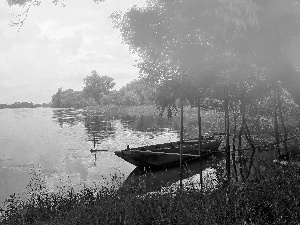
[(153, 179)]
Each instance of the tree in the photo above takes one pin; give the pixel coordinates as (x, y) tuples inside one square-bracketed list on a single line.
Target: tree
[(177, 42), (142, 89), (56, 101), (190, 34), (96, 86), (69, 99), (275, 42)]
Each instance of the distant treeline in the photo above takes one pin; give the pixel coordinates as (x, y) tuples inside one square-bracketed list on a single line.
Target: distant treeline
[(24, 105), (98, 92)]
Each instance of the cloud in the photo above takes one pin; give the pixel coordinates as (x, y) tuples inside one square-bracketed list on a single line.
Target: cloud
[(58, 47), (72, 44)]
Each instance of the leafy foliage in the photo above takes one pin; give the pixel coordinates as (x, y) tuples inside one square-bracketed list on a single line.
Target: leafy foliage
[(181, 38), (177, 41), (223, 52), (70, 99), (137, 92), (96, 86)]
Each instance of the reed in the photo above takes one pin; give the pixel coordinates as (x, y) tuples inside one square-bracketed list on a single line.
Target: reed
[(275, 199)]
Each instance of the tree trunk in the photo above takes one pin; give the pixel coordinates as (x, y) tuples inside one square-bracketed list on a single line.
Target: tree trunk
[(279, 102), (233, 146), (241, 160), (200, 143), (226, 106), (251, 143), (276, 133), (181, 140)]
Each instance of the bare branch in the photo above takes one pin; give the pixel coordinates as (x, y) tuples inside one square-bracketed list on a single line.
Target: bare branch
[(97, 1), (20, 19), (23, 16)]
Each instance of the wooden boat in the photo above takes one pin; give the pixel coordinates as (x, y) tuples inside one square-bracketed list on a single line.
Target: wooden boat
[(168, 154)]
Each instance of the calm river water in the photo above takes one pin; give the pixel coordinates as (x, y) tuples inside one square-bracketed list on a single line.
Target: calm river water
[(54, 145)]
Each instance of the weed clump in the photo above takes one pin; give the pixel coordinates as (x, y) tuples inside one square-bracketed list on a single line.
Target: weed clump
[(272, 200)]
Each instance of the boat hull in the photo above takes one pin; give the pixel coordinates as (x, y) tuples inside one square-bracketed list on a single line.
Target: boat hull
[(167, 154)]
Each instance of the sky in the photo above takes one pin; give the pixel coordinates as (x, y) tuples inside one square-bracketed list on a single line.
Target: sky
[(58, 46)]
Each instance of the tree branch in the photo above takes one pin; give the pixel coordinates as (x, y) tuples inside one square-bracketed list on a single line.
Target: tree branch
[(23, 16)]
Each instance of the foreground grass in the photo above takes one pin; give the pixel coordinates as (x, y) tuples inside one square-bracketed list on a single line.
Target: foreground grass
[(273, 200)]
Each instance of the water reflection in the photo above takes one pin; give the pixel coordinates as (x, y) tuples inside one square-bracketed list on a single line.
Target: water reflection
[(158, 125), (156, 179), (68, 117), (147, 123), (100, 126), (97, 125), (108, 129)]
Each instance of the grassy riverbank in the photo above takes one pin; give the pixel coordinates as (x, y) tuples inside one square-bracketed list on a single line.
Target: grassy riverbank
[(275, 199), (131, 110), (143, 110)]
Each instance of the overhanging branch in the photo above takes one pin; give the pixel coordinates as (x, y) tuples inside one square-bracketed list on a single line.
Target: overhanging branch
[(23, 16)]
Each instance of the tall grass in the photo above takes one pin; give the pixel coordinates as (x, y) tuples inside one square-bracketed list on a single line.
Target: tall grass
[(126, 110), (275, 199)]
